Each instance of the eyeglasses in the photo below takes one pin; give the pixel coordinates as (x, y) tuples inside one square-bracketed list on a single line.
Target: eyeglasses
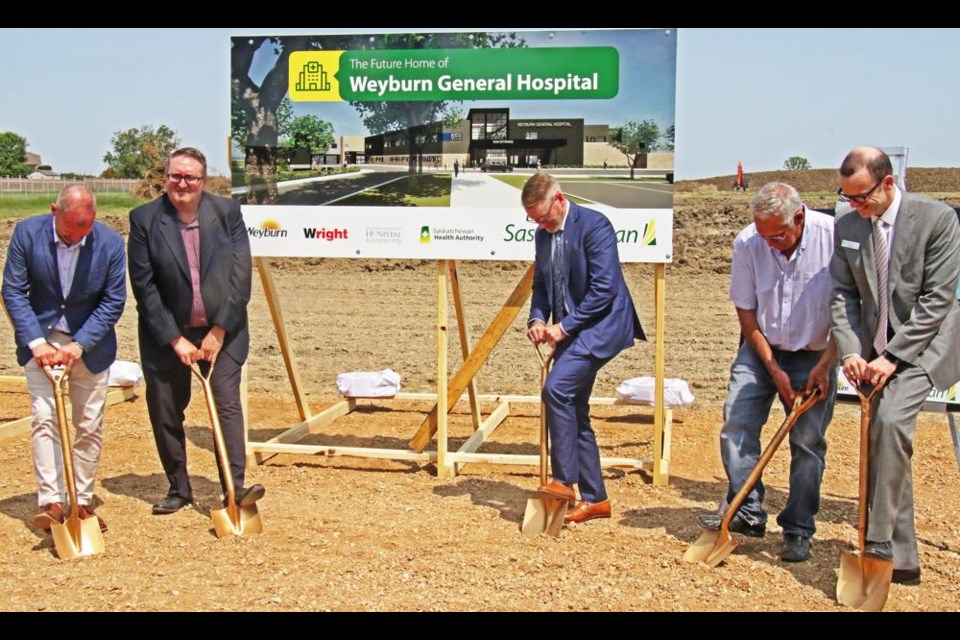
[(780, 237), (544, 216), (186, 177), (860, 198)]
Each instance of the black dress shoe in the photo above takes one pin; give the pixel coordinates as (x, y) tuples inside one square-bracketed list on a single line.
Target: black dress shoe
[(712, 522), (879, 550), (249, 496), (908, 577), (170, 504), (795, 548)]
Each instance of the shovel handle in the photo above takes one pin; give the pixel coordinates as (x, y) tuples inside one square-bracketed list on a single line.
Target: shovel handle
[(232, 510), (544, 433), (58, 380), (866, 417), (801, 403)]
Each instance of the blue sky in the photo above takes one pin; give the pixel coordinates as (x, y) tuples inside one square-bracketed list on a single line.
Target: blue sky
[(754, 95)]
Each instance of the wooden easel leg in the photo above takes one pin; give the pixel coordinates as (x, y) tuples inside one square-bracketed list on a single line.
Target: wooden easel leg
[(481, 351), (443, 469), (661, 472), (273, 302), (464, 340)]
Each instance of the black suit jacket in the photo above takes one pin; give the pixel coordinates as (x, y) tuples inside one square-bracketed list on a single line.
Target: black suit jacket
[(160, 276)]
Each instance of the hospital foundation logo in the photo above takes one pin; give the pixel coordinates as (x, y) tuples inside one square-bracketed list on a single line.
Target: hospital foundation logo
[(424, 234), (268, 229)]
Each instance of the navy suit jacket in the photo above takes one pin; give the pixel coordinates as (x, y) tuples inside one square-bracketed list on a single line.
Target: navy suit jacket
[(601, 312), (160, 277), (34, 299)]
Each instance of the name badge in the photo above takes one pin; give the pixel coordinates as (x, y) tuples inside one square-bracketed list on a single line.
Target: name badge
[(850, 244)]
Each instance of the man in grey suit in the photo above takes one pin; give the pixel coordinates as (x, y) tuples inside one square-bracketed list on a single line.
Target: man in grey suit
[(901, 337), (190, 271)]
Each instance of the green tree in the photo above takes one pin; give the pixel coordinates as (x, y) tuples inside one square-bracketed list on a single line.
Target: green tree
[(634, 138), (139, 150), (13, 152), (668, 138), (796, 162), (310, 133)]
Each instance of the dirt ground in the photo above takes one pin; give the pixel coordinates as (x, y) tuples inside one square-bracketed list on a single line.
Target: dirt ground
[(374, 535)]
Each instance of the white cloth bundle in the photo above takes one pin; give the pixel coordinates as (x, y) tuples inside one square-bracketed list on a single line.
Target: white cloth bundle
[(368, 384), (124, 374), (676, 392)]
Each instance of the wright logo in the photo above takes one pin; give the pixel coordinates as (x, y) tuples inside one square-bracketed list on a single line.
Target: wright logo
[(312, 76)]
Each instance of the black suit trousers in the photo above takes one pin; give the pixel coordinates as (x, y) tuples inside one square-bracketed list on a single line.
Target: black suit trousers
[(168, 394)]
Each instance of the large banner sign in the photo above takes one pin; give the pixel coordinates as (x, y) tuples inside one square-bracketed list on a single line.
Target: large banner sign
[(417, 145)]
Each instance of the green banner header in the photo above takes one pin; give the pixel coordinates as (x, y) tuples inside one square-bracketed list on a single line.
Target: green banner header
[(545, 73)]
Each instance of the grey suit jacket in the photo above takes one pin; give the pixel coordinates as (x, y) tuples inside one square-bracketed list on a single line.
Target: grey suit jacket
[(922, 303)]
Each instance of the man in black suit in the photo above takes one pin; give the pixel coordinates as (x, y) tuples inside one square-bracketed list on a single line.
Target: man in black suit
[(190, 271)]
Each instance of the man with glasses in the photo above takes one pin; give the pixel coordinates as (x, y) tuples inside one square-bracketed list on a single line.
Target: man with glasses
[(190, 271), (64, 287), (578, 284), (780, 286), (896, 324)]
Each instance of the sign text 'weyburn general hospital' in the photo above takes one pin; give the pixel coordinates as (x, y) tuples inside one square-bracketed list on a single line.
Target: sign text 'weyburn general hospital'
[(547, 73)]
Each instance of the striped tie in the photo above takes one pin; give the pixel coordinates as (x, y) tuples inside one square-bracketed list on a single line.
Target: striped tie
[(556, 264), (882, 258)]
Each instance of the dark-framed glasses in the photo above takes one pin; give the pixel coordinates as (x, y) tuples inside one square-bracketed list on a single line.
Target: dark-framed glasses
[(186, 177), (860, 198), (540, 219)]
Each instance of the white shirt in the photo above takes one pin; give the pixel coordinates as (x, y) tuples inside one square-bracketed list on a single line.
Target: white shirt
[(790, 295), (67, 256)]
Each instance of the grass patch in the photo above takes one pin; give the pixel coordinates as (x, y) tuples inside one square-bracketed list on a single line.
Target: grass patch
[(519, 180), (431, 190), (17, 205)]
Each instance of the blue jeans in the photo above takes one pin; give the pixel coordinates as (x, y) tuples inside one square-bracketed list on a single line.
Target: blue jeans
[(746, 409)]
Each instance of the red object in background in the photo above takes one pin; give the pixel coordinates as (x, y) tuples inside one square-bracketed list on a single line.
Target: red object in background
[(739, 175)]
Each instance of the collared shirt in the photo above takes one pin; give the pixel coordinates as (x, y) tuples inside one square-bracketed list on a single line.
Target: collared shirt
[(790, 295), (67, 256), (190, 233), (889, 220)]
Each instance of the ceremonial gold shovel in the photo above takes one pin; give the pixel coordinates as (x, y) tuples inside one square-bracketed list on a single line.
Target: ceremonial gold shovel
[(864, 581), (713, 547), (75, 537), (543, 515), (232, 520)]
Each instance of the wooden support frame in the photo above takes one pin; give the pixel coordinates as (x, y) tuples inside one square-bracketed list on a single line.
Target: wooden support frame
[(21, 426), (451, 389)]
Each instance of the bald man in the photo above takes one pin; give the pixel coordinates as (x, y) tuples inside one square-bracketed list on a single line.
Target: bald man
[(64, 290)]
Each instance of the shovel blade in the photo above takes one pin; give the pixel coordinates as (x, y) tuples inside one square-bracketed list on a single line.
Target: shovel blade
[(543, 515), (246, 522), (863, 583), (86, 539), (711, 548)]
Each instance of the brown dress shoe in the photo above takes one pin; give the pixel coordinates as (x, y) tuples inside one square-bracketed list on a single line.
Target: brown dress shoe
[(48, 515), (88, 512), (556, 490), (588, 511)]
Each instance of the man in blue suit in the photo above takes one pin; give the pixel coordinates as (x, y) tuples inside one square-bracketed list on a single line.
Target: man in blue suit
[(577, 283), (64, 289)]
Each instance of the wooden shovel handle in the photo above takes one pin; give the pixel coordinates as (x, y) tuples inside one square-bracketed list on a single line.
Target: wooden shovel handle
[(800, 404)]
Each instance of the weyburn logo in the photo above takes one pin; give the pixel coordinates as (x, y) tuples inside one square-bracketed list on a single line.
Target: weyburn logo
[(424, 234), (268, 229)]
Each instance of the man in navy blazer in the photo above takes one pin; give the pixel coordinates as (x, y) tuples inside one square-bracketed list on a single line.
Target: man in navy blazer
[(64, 289), (579, 285), (190, 271)]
